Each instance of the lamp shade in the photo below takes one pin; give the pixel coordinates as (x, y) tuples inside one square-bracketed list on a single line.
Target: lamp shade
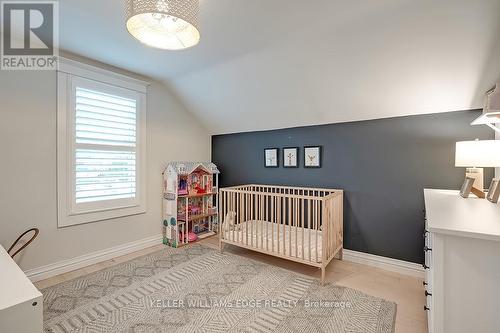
[(164, 24), (480, 154)]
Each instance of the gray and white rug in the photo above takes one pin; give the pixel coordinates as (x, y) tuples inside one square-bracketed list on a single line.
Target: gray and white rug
[(197, 289)]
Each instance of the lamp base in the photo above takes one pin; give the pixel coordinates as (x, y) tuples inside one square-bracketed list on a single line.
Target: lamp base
[(478, 175), (478, 193)]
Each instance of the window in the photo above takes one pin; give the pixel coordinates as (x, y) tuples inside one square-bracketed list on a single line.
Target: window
[(101, 144)]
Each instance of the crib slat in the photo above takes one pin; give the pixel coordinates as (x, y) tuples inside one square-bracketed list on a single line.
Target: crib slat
[(302, 226), (245, 198), (258, 224), (316, 222), (240, 204), (325, 232), (222, 214), (296, 225), (277, 226), (255, 224), (247, 221), (251, 233), (289, 219), (233, 209), (256, 207), (309, 226), (284, 219), (272, 226), (262, 222)]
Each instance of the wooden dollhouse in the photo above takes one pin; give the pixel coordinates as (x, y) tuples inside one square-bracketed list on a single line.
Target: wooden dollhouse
[(190, 196)]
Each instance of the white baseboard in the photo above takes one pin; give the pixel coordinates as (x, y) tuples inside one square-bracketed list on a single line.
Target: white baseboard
[(388, 264), (64, 266)]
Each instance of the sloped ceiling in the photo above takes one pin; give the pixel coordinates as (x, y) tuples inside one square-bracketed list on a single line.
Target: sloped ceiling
[(265, 64)]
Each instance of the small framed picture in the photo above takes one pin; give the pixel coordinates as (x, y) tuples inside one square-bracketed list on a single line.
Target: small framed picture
[(466, 187), (494, 191), (271, 157), (291, 157), (312, 157)]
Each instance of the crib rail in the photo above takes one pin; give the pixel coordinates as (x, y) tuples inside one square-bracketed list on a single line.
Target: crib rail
[(295, 223)]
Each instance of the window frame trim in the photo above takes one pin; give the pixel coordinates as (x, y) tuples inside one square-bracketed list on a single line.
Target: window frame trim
[(70, 213)]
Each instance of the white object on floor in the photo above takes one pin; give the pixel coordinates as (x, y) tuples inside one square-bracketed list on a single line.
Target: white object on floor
[(21, 304), (462, 263)]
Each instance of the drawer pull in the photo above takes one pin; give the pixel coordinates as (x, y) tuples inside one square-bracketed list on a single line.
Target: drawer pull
[(427, 249), (425, 283), (426, 308), (425, 266), (427, 293)]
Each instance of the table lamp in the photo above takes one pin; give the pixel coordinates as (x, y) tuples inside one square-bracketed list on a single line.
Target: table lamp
[(476, 155)]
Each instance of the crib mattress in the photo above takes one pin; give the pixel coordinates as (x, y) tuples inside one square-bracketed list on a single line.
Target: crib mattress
[(278, 238)]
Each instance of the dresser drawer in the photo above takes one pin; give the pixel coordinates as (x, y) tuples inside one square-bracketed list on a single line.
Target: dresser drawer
[(428, 262)]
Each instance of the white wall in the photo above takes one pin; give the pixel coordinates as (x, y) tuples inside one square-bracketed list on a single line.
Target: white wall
[(497, 172), (28, 168)]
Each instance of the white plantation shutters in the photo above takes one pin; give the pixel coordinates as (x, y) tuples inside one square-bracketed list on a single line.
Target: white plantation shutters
[(105, 146), (104, 175), (101, 147)]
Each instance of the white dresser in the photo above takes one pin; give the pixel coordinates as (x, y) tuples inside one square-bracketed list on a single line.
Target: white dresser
[(462, 263), (20, 302)]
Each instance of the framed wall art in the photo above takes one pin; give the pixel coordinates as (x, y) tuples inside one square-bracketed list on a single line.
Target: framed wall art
[(271, 156), (312, 156), (291, 157)]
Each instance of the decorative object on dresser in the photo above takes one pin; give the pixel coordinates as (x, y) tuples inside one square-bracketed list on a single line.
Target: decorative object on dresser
[(462, 252), (476, 155), (291, 157), (312, 156), (190, 198), (271, 157), (294, 223), (466, 187), (494, 191)]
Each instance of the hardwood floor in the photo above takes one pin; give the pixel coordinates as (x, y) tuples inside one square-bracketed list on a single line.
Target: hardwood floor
[(404, 290)]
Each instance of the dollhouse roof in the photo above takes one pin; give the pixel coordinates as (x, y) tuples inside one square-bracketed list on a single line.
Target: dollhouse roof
[(185, 168)]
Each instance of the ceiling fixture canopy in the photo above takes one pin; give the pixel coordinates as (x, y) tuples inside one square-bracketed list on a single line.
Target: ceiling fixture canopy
[(164, 24)]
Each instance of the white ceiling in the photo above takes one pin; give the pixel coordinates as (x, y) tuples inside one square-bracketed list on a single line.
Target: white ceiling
[(265, 64)]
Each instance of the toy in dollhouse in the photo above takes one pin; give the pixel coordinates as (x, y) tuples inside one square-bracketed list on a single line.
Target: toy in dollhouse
[(183, 186), (200, 182), (189, 205)]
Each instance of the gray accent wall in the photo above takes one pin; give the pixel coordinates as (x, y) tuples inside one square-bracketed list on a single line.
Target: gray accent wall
[(382, 165)]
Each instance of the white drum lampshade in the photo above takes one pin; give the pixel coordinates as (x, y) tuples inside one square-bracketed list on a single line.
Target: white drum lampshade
[(481, 154), (164, 24), (475, 155)]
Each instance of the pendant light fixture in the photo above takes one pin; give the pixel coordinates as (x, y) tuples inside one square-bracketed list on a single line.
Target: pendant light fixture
[(164, 24)]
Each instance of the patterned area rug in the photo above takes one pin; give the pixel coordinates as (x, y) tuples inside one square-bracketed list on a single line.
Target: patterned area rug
[(197, 289)]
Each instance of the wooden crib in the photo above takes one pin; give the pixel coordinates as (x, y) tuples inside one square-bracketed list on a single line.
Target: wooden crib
[(294, 223)]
